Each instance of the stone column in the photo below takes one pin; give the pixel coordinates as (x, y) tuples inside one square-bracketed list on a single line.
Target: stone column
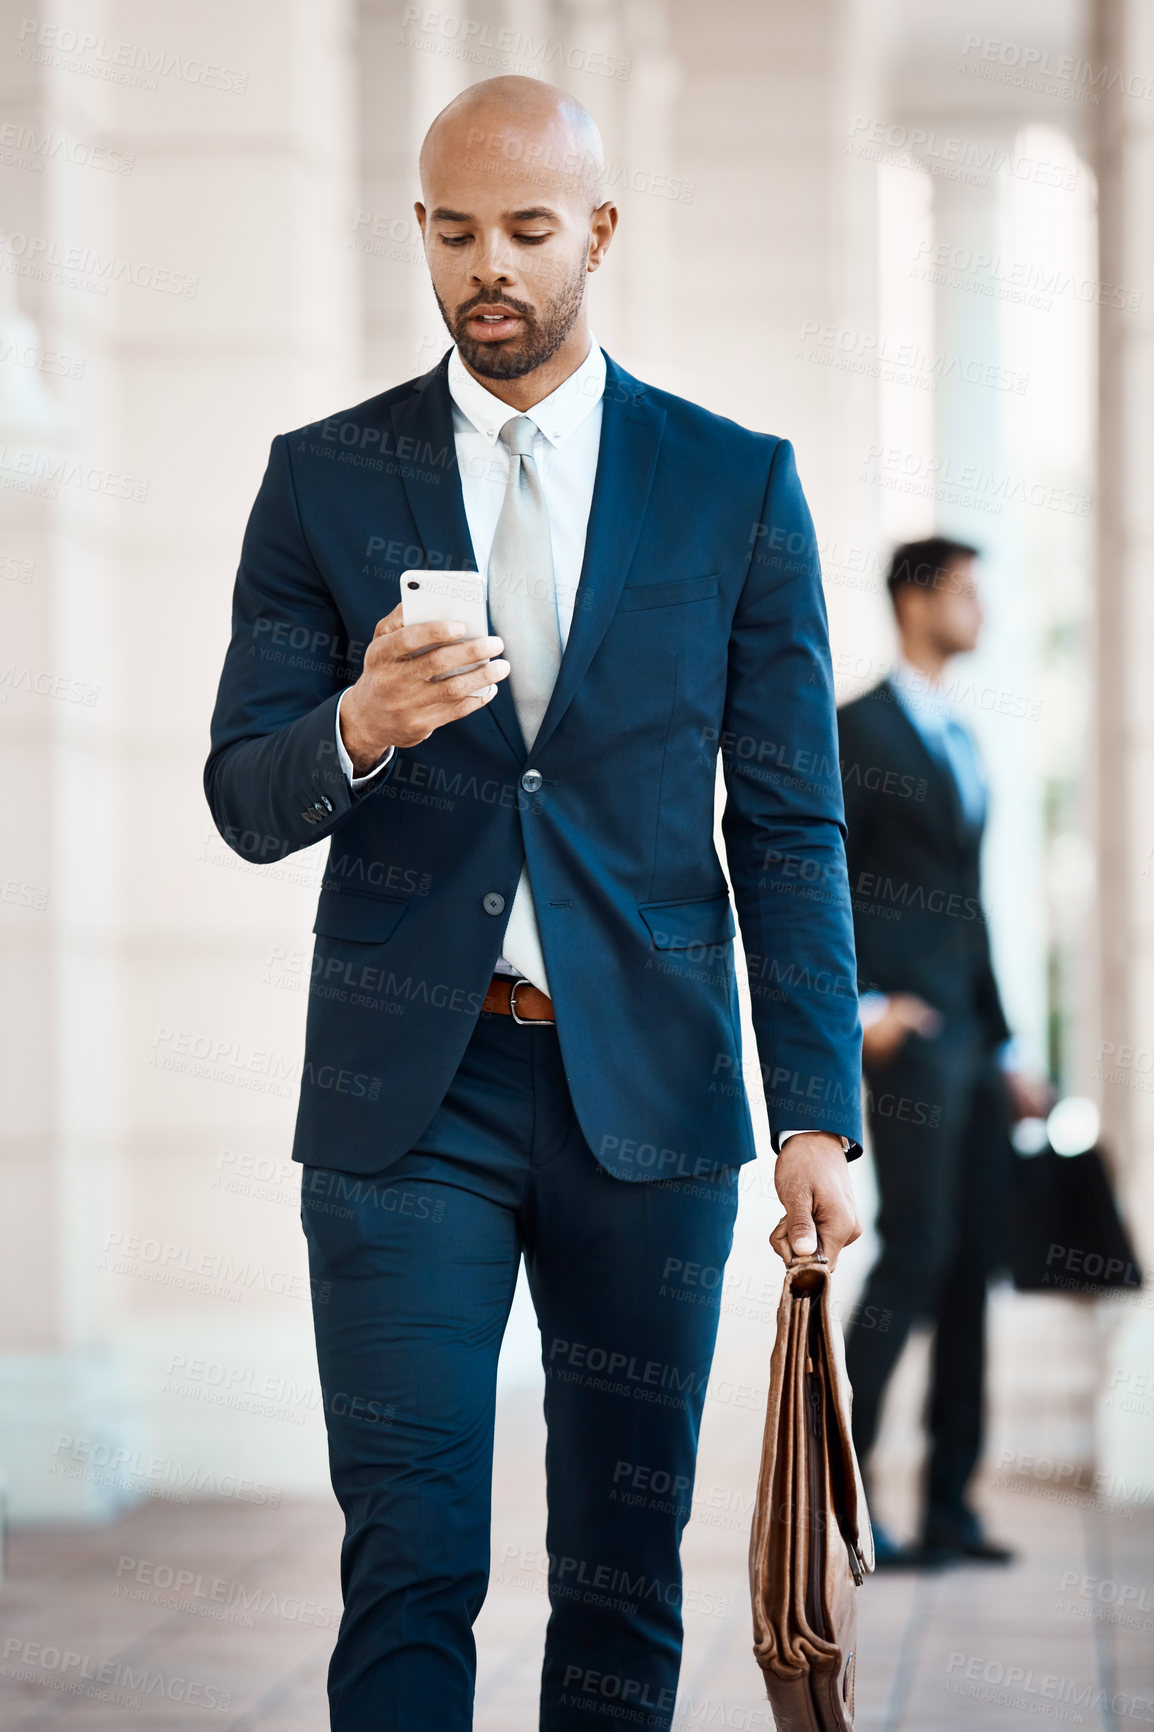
[(191, 191), (776, 253), (997, 689), (61, 518), (1123, 47)]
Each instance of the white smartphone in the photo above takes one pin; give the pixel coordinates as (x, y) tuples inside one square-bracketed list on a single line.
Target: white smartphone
[(427, 596)]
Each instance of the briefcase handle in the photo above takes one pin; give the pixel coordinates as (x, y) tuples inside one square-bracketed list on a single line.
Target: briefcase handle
[(798, 1269)]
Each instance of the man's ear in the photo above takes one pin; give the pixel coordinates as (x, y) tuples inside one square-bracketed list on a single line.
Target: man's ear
[(602, 227)]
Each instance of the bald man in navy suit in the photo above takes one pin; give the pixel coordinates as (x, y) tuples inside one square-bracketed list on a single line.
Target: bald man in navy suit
[(523, 1034)]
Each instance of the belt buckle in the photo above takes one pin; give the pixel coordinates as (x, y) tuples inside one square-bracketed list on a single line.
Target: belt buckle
[(526, 1021)]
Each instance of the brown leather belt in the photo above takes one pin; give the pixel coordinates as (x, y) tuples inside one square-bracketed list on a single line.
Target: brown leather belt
[(518, 998)]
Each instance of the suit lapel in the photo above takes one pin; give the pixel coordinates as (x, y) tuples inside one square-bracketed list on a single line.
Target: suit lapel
[(426, 451), (423, 427), (940, 777), (631, 429)]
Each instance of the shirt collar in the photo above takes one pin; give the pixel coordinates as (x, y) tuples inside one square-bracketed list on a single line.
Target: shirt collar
[(557, 416), (919, 695)]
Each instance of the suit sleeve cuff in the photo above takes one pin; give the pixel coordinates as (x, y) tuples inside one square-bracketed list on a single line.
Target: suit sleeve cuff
[(783, 1137), (871, 1006), (357, 782)]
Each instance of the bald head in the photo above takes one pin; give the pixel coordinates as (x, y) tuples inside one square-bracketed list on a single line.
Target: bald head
[(514, 220), (518, 127)]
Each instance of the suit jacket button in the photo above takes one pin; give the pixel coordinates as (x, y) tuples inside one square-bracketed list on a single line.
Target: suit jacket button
[(325, 803), (493, 903), (531, 781), (311, 815)]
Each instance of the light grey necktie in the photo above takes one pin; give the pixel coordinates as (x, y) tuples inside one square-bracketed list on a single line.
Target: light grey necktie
[(961, 753), (523, 612)]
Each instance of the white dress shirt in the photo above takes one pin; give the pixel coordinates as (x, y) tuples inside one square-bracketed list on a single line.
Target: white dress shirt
[(565, 450)]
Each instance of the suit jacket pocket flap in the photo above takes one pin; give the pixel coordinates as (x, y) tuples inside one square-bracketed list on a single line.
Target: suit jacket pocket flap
[(667, 594), (679, 925), (369, 919)]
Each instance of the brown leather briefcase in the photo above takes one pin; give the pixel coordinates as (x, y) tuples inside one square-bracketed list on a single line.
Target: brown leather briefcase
[(811, 1545)]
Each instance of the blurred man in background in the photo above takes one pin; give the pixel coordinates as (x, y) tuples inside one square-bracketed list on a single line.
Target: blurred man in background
[(936, 1041)]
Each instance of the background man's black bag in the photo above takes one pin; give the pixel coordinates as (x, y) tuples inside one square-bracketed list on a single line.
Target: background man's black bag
[(1066, 1235)]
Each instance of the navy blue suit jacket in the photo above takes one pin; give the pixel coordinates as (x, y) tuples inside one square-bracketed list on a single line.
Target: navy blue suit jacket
[(699, 629)]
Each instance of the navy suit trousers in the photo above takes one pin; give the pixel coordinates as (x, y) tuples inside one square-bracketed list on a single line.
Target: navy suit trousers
[(942, 1155), (413, 1274)]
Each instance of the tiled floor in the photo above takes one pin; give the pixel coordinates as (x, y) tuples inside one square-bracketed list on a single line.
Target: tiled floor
[(214, 1614)]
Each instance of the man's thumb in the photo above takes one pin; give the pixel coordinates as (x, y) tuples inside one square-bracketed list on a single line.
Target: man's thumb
[(800, 1230)]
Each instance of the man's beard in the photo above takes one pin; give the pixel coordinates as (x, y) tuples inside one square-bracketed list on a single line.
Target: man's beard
[(539, 339)]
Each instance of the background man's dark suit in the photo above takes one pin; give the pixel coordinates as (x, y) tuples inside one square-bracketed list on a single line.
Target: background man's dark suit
[(937, 1111)]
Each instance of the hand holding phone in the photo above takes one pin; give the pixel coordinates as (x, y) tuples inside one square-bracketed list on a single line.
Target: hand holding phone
[(420, 674)]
